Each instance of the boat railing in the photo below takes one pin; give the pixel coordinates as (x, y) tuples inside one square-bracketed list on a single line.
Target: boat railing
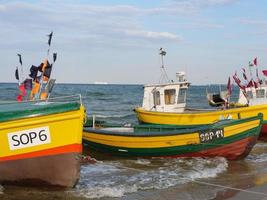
[(59, 99)]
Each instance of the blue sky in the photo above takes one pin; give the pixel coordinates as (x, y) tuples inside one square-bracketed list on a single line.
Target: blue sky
[(118, 41)]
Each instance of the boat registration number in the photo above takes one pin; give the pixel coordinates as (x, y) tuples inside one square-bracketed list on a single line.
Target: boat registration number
[(211, 135), (29, 138)]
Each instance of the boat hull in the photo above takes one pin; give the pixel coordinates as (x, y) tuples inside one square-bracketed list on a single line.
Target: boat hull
[(42, 150), (237, 142), (198, 118)]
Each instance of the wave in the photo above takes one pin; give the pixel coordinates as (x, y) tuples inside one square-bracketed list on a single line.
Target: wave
[(115, 179)]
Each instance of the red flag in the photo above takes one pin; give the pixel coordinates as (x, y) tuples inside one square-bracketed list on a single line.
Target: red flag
[(229, 86), (238, 82), (264, 72), (19, 98), (251, 83), (22, 90), (255, 62)]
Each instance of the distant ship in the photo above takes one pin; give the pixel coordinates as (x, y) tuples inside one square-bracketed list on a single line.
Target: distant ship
[(100, 83)]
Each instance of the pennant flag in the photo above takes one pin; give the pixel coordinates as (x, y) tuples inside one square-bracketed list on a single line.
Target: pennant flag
[(50, 38), (20, 60), (19, 98), (54, 57), (22, 90), (28, 84), (34, 72), (162, 52), (35, 90), (229, 86), (47, 71), (255, 62), (264, 72), (244, 74), (40, 67), (251, 83), (17, 73), (238, 82)]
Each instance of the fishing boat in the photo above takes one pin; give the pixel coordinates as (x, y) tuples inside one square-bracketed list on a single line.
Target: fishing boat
[(232, 139), (165, 103), (41, 142)]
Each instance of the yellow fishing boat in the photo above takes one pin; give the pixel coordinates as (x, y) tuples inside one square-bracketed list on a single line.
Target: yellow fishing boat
[(232, 139), (41, 142)]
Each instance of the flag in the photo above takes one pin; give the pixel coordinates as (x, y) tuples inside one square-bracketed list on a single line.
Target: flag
[(251, 83), (17, 73), (244, 74), (35, 90), (22, 90), (20, 60), (40, 67), (162, 52), (47, 71), (255, 62), (28, 84), (238, 82), (50, 38), (34, 72), (54, 57), (19, 98), (264, 72), (229, 86)]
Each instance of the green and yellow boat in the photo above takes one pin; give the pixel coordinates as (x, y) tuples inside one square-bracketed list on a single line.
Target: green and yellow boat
[(41, 143), (232, 139)]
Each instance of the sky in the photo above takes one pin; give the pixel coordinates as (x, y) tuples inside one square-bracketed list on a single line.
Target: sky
[(118, 41)]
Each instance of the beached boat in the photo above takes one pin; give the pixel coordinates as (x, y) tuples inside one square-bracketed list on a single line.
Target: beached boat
[(165, 103), (232, 139), (41, 142)]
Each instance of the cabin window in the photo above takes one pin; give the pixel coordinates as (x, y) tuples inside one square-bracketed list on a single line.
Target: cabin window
[(156, 96), (260, 93), (169, 96), (182, 95), (249, 94)]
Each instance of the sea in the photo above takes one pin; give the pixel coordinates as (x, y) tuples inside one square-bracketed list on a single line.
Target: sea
[(146, 179)]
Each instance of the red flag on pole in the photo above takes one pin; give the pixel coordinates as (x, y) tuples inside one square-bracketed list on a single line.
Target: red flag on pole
[(255, 62)]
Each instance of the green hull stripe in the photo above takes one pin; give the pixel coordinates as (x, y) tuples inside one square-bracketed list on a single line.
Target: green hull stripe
[(23, 110)]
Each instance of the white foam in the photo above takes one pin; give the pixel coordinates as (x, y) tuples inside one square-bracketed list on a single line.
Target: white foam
[(115, 179)]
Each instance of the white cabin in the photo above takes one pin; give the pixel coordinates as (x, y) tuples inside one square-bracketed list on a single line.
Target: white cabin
[(166, 97), (254, 96)]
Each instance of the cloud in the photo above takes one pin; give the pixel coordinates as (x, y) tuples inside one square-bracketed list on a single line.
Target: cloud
[(153, 35), (254, 22)]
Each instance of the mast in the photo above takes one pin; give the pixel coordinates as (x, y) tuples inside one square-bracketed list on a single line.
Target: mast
[(164, 77)]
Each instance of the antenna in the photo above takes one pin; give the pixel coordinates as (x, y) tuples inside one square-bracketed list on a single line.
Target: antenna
[(164, 77)]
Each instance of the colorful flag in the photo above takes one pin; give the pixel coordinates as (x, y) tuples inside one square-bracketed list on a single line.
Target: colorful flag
[(22, 90), (28, 84), (47, 71), (34, 72)]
